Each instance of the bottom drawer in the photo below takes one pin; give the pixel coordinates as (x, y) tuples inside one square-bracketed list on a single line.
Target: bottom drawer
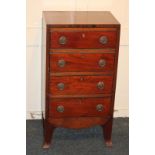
[(80, 107)]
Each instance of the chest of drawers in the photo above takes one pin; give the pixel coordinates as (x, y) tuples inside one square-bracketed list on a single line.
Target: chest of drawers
[(79, 69)]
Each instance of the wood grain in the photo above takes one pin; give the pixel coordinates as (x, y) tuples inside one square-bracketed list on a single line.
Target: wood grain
[(75, 39), (78, 122), (82, 51), (79, 107), (82, 62), (79, 96), (106, 73), (80, 85), (79, 18)]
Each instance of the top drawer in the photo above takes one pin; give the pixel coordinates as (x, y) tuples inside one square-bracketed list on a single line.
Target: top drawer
[(83, 38)]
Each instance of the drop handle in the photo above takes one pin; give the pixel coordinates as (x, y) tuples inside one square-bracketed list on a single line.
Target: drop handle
[(99, 107), (100, 85), (102, 63), (62, 40), (60, 108), (61, 63), (61, 86), (103, 40)]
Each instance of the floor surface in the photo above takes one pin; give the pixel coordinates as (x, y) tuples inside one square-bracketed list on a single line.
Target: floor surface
[(78, 142)]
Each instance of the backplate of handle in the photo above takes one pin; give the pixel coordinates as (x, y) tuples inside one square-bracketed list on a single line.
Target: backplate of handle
[(61, 86), (103, 40), (62, 40), (60, 108), (102, 62), (61, 63), (100, 85), (99, 107)]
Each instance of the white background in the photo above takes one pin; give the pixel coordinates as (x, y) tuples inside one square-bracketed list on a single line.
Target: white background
[(13, 77)]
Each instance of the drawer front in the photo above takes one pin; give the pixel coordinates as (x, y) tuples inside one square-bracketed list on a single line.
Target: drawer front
[(81, 62), (83, 39), (80, 85), (79, 107)]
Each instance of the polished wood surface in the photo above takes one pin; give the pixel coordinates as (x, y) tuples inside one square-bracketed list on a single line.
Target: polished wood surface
[(77, 122), (81, 107), (82, 62), (107, 130), (81, 73), (80, 85), (96, 18), (83, 39), (80, 95), (82, 51)]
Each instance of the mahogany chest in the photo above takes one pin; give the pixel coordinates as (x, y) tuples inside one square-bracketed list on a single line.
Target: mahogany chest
[(79, 69)]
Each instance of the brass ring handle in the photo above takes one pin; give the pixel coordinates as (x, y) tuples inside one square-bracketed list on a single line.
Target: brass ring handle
[(100, 85), (62, 40), (61, 63), (102, 62), (60, 108), (61, 86), (99, 107), (103, 40)]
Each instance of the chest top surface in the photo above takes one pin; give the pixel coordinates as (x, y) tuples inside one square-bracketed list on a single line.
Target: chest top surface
[(72, 18)]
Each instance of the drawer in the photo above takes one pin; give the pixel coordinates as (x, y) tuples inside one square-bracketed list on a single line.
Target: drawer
[(90, 62), (80, 85), (79, 107), (83, 39)]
